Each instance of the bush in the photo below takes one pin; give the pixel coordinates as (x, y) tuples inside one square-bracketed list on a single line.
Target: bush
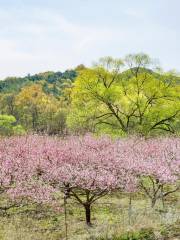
[(8, 126), (18, 130)]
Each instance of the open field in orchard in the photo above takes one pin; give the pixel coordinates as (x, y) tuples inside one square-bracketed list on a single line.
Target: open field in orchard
[(111, 216)]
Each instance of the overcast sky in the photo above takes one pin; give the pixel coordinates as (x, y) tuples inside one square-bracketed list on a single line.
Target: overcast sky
[(42, 35)]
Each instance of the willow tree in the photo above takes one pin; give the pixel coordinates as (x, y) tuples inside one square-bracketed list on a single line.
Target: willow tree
[(125, 97)]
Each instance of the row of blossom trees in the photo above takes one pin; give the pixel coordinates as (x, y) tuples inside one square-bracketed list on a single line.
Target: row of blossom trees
[(88, 168)]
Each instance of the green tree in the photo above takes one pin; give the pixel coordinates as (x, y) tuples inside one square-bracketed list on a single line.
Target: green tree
[(41, 112), (8, 126), (7, 104), (125, 97), (34, 106)]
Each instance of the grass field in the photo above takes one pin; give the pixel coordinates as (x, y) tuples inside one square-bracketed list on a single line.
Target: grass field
[(111, 217)]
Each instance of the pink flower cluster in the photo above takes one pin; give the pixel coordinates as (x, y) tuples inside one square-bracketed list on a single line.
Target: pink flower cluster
[(39, 166)]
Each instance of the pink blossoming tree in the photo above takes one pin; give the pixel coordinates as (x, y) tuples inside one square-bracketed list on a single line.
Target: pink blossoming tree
[(87, 168), (157, 164)]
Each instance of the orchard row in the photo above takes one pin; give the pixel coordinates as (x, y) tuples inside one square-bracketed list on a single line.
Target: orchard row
[(86, 168)]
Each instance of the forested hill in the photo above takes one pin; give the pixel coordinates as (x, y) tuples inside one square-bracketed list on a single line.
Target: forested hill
[(54, 82), (112, 97), (51, 81)]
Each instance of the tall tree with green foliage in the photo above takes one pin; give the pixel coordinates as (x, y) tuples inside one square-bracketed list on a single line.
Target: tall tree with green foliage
[(125, 97)]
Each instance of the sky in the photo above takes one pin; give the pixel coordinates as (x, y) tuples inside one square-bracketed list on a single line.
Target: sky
[(45, 35)]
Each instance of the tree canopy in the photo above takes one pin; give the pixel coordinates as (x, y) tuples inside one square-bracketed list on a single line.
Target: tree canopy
[(108, 98)]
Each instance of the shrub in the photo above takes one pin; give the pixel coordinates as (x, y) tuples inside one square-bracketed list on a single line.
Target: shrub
[(8, 126)]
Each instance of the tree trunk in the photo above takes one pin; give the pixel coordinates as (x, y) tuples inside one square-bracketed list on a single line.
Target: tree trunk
[(65, 218), (88, 214), (153, 202), (130, 209), (162, 197)]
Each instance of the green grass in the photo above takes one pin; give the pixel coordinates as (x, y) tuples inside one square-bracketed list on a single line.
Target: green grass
[(110, 218)]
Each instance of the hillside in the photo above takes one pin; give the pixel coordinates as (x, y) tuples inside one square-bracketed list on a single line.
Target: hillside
[(51, 81)]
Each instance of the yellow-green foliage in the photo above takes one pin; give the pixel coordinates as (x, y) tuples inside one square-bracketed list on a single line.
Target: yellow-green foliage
[(106, 99), (8, 126)]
